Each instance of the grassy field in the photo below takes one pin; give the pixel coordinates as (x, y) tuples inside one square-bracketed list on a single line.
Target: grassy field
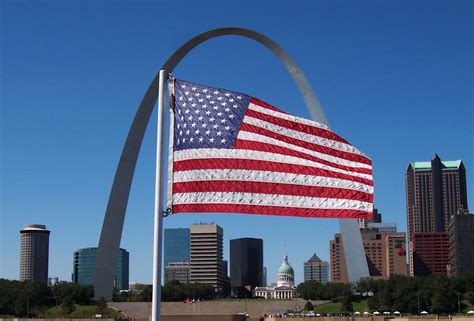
[(331, 307), (360, 306), (328, 308)]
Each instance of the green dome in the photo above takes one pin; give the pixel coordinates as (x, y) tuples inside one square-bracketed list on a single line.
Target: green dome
[(286, 267)]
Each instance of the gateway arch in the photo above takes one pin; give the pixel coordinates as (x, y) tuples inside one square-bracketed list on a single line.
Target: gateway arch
[(111, 234)]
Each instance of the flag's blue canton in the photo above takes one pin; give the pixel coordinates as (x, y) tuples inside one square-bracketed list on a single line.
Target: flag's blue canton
[(206, 117)]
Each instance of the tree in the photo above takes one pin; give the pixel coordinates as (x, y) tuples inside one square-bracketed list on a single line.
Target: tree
[(469, 296), (9, 290), (346, 302), (78, 293), (444, 299), (308, 306), (30, 296), (67, 306)]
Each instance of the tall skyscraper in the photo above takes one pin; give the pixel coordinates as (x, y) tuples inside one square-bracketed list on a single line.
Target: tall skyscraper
[(34, 253), (461, 244), (436, 190), (246, 262), (206, 255), (385, 253), (316, 269), (176, 245), (83, 267)]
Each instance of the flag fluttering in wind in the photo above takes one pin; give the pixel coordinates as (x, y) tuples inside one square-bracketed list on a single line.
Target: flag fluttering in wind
[(233, 153)]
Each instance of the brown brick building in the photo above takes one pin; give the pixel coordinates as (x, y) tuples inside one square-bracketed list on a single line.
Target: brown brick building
[(385, 253), (429, 253)]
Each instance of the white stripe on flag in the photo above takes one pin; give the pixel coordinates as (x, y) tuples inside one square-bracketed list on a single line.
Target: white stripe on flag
[(258, 199), (204, 153), (295, 119), (321, 141), (272, 141), (267, 177)]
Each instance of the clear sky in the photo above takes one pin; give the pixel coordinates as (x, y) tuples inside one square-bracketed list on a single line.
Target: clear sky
[(395, 79)]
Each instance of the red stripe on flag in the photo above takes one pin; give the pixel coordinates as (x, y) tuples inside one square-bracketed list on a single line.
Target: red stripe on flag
[(263, 104), (271, 188), (301, 143), (269, 210), (251, 164), (296, 126), (263, 147)]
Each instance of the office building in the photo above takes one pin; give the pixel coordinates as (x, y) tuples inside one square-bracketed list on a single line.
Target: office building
[(316, 269), (429, 253), (34, 253), (461, 244), (83, 267), (246, 262), (435, 191), (178, 271), (176, 247), (385, 253), (206, 251)]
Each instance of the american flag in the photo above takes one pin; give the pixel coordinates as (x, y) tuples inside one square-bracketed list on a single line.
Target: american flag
[(233, 153)]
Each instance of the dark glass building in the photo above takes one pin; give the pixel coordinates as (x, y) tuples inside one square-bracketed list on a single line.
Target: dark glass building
[(246, 262), (461, 244), (34, 253), (176, 245), (83, 267)]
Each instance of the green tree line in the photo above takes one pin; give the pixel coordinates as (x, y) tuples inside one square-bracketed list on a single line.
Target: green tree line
[(29, 298), (434, 294)]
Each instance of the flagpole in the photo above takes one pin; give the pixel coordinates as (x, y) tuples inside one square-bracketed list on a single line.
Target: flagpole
[(158, 225)]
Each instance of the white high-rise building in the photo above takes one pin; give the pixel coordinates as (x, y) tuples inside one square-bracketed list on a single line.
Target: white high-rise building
[(34, 253), (206, 255)]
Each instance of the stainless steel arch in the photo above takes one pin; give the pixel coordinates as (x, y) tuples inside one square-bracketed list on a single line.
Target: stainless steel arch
[(109, 243)]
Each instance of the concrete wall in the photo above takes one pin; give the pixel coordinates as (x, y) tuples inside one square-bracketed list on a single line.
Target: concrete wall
[(198, 318), (427, 318), (255, 308)]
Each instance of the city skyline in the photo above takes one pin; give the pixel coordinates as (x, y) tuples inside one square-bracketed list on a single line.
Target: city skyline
[(388, 89)]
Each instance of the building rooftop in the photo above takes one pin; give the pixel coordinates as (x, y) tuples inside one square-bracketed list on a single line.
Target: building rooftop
[(314, 258), (427, 165)]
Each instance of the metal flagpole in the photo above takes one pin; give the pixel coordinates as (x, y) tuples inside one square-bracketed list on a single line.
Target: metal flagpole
[(158, 226)]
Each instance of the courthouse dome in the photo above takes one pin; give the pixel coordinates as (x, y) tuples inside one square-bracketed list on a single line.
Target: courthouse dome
[(286, 267)]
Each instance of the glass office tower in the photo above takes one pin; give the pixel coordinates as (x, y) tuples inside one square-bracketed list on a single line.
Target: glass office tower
[(176, 245), (83, 267)]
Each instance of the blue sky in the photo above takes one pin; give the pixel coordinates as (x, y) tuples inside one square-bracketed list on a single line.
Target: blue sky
[(395, 79)]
